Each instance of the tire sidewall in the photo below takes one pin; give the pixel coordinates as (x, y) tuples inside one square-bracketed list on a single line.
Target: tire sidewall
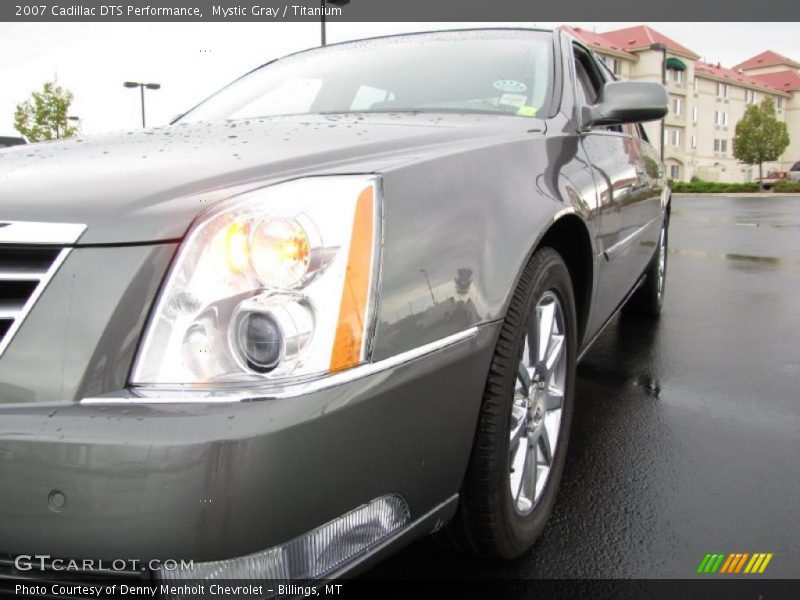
[(522, 530)]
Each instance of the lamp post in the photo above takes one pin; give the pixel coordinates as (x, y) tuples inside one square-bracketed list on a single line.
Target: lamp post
[(322, 4), (66, 125), (72, 118), (663, 49), (142, 86), (430, 289)]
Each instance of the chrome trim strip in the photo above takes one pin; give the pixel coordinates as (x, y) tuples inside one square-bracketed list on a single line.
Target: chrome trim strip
[(613, 251), (184, 394), (21, 276), (31, 232), (19, 318)]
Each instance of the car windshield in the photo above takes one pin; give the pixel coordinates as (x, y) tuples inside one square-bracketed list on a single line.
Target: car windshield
[(491, 71)]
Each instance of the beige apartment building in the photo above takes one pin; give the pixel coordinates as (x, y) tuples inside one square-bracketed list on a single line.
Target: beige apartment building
[(706, 100)]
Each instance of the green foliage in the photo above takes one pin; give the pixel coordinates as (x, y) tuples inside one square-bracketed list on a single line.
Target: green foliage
[(44, 115), (711, 187), (786, 186), (760, 136)]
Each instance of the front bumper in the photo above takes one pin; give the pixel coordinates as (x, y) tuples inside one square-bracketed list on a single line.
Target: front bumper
[(213, 481)]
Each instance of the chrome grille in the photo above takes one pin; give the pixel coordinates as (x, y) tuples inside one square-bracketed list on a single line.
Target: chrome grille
[(30, 254)]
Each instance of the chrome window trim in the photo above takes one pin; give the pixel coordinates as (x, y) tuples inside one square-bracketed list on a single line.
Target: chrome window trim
[(40, 233), (31, 233), (184, 395)]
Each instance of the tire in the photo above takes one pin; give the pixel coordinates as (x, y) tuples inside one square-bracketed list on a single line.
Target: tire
[(491, 520), (648, 300)]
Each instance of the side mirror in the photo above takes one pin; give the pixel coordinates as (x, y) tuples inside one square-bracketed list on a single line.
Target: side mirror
[(627, 102)]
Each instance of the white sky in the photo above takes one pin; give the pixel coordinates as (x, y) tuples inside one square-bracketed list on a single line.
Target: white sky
[(192, 60)]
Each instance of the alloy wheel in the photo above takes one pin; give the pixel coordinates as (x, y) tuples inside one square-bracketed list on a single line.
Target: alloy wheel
[(538, 403)]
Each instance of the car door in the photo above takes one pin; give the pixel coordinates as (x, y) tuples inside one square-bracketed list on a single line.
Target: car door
[(627, 197)]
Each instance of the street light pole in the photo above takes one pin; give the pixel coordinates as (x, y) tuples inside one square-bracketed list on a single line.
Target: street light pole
[(142, 86), (322, 4), (430, 289), (141, 94), (322, 21)]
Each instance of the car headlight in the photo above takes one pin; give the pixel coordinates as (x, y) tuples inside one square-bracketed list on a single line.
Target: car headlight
[(275, 283)]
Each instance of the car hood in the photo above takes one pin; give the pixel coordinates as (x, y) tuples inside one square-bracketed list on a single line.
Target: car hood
[(148, 185)]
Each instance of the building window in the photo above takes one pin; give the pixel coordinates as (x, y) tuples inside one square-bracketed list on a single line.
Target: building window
[(779, 103), (614, 64), (694, 142), (722, 90), (695, 112), (674, 172), (677, 76), (721, 118), (721, 146), (695, 85), (677, 105), (750, 96), (675, 137)]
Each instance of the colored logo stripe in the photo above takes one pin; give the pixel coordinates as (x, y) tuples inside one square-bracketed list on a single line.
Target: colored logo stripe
[(737, 562), (727, 564), (710, 563)]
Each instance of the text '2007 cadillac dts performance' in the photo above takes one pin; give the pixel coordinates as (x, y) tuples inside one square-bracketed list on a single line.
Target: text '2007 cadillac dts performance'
[(334, 307)]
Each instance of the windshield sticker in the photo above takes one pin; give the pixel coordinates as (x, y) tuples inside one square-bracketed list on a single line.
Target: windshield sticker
[(516, 100), (526, 111), (509, 85)]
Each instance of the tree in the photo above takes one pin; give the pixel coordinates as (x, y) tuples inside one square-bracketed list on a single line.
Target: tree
[(760, 136), (44, 115)]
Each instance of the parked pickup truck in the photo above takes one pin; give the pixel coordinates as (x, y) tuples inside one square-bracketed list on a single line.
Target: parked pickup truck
[(6, 141), (772, 178)]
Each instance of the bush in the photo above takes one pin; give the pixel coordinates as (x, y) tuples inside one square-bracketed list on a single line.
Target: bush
[(787, 186), (712, 187)]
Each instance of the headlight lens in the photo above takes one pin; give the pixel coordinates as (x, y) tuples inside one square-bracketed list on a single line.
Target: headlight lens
[(280, 252), (275, 283)]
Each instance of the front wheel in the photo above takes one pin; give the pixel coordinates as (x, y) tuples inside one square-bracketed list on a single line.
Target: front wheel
[(521, 441)]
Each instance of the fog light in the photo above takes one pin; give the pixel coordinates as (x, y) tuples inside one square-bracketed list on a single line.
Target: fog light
[(314, 555), (260, 341), (271, 331)]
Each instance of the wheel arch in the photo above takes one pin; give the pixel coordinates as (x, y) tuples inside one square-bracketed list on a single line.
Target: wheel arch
[(570, 237)]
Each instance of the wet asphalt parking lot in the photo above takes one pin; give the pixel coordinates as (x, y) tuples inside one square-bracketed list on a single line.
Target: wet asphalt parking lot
[(686, 434)]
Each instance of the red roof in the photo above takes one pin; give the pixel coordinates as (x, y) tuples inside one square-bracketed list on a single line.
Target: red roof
[(732, 75), (766, 59), (641, 36), (594, 40), (787, 81)]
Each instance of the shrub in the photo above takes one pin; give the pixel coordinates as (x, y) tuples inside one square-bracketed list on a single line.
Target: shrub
[(712, 187), (787, 186)]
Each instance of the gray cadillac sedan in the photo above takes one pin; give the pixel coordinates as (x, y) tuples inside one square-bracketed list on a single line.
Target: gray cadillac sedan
[(334, 307)]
